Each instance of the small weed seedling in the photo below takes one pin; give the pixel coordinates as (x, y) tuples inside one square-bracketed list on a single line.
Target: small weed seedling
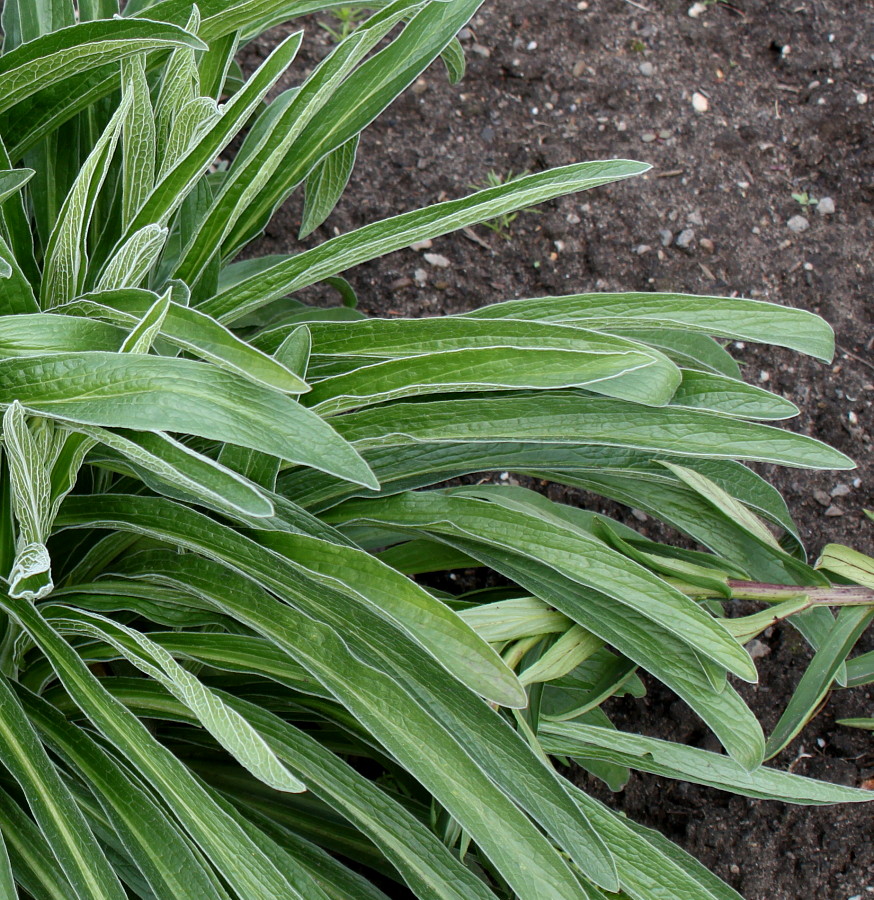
[(501, 225), (344, 21)]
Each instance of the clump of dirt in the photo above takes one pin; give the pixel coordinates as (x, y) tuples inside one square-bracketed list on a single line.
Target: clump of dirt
[(757, 119)]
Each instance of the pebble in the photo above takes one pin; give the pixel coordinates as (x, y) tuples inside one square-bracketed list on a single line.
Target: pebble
[(700, 103), (707, 245), (685, 238), (798, 224), (640, 249), (840, 490), (834, 511), (420, 86), (861, 98), (640, 515), (697, 9), (427, 244), (438, 260), (822, 498), (646, 68), (666, 237), (648, 137), (826, 206), (573, 219), (695, 217), (758, 649)]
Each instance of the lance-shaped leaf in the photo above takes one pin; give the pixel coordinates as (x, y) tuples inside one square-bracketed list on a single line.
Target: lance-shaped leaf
[(43, 333), (516, 527), (727, 317), (325, 186), (54, 809), (220, 838), (194, 332), (232, 731), (153, 393), (479, 755), (133, 260), (347, 250), (560, 417), (466, 371), (179, 471), (42, 62), (691, 764), (428, 621), (66, 262), (158, 848)]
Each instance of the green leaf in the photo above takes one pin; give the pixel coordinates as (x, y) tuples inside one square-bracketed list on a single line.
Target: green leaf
[(154, 842), (685, 763), (563, 417), (193, 332), (347, 250), (152, 393), (571, 552), (178, 471), (46, 60), (138, 139), (232, 731), (218, 836), (325, 185), (497, 368), (54, 809), (12, 181), (819, 675), (7, 880), (430, 623), (66, 262), (132, 261), (44, 333), (730, 396), (449, 739), (727, 317)]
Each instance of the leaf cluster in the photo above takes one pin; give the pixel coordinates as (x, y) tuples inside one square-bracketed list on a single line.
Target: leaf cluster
[(221, 675)]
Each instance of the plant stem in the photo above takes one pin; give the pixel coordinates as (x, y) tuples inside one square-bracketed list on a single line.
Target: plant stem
[(834, 595)]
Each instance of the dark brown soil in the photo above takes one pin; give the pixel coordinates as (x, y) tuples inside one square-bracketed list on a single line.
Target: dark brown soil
[(790, 88)]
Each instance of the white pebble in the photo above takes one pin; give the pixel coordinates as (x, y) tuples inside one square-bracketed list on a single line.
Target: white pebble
[(861, 98), (697, 9), (798, 224), (826, 206), (437, 259), (700, 103)]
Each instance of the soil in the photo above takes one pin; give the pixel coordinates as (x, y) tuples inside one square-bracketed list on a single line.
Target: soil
[(789, 90)]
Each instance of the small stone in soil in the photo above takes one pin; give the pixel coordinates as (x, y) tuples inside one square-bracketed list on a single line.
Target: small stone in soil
[(822, 497), (834, 511), (840, 490), (700, 103), (758, 649), (707, 245), (438, 260), (685, 238), (646, 68), (648, 137), (798, 224), (826, 206), (666, 237)]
